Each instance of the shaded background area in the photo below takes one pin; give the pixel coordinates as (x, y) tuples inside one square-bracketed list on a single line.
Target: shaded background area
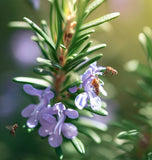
[(18, 54)]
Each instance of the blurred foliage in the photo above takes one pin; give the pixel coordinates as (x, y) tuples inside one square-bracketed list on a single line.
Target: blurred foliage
[(135, 141)]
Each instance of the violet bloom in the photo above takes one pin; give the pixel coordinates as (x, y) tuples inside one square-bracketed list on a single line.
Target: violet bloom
[(25, 50), (92, 86), (32, 111), (53, 127), (35, 3)]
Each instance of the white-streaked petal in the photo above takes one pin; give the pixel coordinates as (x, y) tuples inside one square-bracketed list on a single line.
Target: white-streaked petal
[(58, 107), (95, 101), (102, 90), (81, 100), (86, 74)]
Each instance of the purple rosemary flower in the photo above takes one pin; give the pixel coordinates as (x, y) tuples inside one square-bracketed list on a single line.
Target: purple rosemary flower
[(35, 3), (53, 127), (32, 111), (92, 86), (23, 48), (73, 89)]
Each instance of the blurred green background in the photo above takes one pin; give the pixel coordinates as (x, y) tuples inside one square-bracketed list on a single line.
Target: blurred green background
[(121, 37)]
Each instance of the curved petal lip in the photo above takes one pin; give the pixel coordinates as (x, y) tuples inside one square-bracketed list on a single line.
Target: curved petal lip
[(55, 140), (69, 130), (29, 89), (32, 122), (73, 89), (95, 101), (26, 112), (71, 113), (43, 131)]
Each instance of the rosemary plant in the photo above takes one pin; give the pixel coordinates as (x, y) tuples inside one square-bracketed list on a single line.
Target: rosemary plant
[(69, 83)]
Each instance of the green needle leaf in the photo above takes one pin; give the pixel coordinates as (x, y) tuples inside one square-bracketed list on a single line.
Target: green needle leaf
[(128, 134), (95, 48), (85, 33), (45, 28), (41, 46), (30, 80), (89, 62), (77, 83), (101, 111), (86, 47), (73, 65), (146, 42), (149, 156), (59, 10), (44, 35), (100, 20), (19, 24), (87, 122), (48, 62), (89, 51), (42, 71), (38, 30), (91, 134), (92, 7), (78, 145), (77, 45), (59, 153)]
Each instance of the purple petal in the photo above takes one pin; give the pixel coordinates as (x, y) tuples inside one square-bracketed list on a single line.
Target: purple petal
[(94, 64), (32, 122), (32, 91), (81, 100), (58, 107), (69, 130), (44, 111), (73, 89), (86, 74), (87, 84), (71, 113), (102, 90), (43, 131), (35, 3), (100, 69), (48, 94), (95, 101), (55, 140), (46, 130), (49, 118), (26, 112), (94, 67)]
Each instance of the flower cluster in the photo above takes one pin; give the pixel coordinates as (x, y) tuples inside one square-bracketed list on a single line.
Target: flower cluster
[(44, 114), (53, 127), (33, 111)]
